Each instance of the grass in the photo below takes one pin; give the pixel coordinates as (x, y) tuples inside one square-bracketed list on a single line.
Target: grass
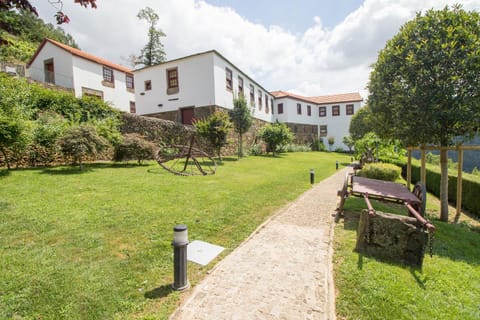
[(97, 244), (447, 287)]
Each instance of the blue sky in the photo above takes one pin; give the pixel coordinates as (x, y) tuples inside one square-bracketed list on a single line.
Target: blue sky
[(295, 16), (306, 47)]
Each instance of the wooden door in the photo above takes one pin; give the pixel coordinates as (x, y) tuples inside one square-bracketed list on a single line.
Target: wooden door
[(187, 115)]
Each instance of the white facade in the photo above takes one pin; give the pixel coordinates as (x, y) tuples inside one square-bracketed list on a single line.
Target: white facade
[(209, 79), (202, 81), (71, 68)]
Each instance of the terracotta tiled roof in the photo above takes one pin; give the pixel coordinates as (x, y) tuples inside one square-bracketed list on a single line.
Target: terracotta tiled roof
[(81, 54), (336, 98)]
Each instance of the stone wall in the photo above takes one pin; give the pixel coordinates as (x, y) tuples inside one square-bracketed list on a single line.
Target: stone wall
[(249, 138), (156, 130), (391, 237), (304, 133)]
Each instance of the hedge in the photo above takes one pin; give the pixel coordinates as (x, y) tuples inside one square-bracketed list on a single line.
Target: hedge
[(470, 187)]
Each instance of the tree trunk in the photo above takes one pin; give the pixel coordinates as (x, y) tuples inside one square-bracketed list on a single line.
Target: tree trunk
[(444, 185), (6, 158), (240, 147)]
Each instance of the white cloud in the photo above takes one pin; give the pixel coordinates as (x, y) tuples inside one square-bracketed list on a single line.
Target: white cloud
[(319, 61)]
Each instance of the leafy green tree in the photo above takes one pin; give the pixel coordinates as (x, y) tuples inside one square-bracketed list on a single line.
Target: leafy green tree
[(424, 86), (276, 135), (80, 142), (134, 146), (153, 53), (361, 123), (349, 142), (242, 120), (215, 130)]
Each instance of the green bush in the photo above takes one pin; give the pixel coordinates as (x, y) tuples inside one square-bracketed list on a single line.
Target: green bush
[(470, 187), (255, 150), (318, 145), (134, 147), (81, 141), (292, 147), (380, 171)]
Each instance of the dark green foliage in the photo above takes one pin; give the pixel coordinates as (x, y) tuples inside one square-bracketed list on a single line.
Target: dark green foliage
[(470, 188), (275, 135), (242, 120), (380, 171), (21, 32), (134, 147), (362, 122), (331, 142), (48, 129), (79, 142), (215, 130), (10, 133)]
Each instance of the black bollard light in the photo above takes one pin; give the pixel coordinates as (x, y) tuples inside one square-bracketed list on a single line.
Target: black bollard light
[(312, 176), (336, 165), (179, 243)]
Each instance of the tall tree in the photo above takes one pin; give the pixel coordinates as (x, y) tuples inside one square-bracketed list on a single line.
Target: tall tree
[(153, 52), (242, 120), (425, 85)]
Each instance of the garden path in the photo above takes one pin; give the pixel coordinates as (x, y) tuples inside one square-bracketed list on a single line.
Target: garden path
[(282, 271)]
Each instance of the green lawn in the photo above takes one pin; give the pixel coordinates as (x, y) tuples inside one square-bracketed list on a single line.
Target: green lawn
[(97, 244), (447, 287)]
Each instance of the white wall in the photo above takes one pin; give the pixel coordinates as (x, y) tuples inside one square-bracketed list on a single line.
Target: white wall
[(337, 126), (62, 61), (224, 97), (89, 74), (195, 78)]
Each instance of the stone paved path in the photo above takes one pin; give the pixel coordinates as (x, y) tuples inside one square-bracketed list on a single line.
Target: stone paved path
[(282, 271)]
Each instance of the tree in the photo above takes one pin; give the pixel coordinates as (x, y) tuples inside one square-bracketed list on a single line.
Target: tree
[(349, 142), (424, 88), (215, 130), (275, 135), (81, 141), (362, 122), (242, 120), (58, 4), (153, 52)]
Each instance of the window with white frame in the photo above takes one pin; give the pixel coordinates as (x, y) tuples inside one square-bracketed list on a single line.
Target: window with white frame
[(228, 78)]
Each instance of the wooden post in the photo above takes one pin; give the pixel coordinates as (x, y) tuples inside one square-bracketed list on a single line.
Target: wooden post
[(423, 172), (459, 180), (409, 168)]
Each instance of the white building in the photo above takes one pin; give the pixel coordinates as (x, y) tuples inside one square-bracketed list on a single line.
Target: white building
[(86, 74), (194, 86), (330, 115), (187, 88)]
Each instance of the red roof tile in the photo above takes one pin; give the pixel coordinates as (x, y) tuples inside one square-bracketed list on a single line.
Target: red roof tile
[(81, 54)]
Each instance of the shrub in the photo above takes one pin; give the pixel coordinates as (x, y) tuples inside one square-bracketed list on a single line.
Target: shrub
[(255, 150), (380, 171), (215, 130), (81, 141), (48, 128), (134, 147), (275, 135), (292, 147), (318, 145)]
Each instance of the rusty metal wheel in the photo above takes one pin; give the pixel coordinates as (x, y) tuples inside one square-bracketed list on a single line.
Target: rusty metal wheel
[(185, 160)]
